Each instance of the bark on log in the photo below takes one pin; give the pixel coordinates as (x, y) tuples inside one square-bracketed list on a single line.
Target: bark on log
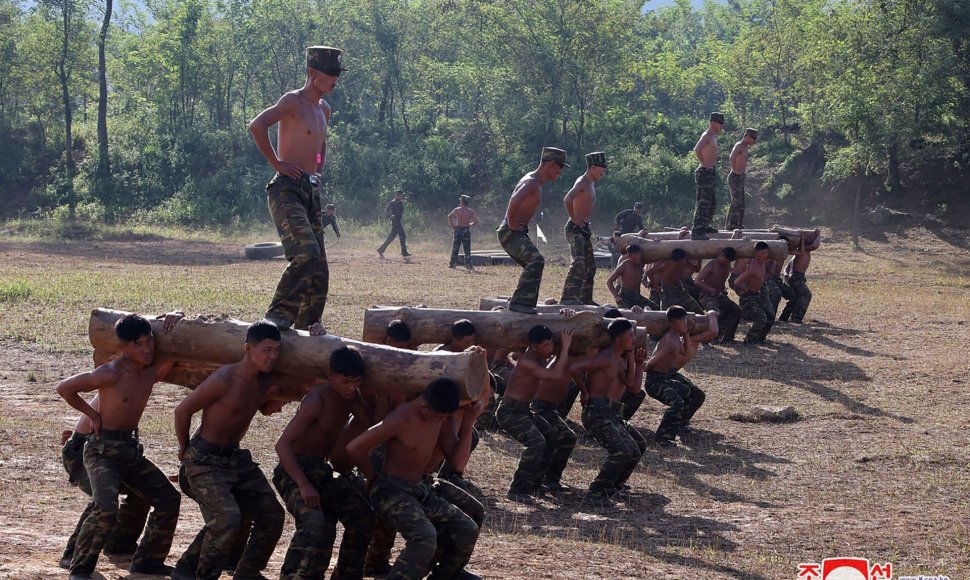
[(701, 249), (201, 343), (498, 329), (654, 322), (722, 235)]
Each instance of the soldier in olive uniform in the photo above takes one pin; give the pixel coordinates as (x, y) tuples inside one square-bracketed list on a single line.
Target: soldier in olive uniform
[(395, 212), (579, 201), (704, 178)]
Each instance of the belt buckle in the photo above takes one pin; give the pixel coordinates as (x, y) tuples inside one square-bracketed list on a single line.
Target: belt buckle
[(314, 180)]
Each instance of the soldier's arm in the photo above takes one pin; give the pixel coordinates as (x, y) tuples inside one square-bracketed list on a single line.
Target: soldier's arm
[(70, 388), (305, 418), (323, 146), (474, 219), (452, 218), (259, 129), (211, 389), (709, 332), (361, 446)]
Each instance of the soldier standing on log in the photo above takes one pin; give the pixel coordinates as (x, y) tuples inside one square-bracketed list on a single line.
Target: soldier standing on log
[(579, 201), (513, 233), (704, 178), (293, 195), (739, 166)]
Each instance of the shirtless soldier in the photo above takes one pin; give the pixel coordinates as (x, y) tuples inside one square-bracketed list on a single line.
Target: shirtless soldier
[(401, 495), (669, 275), (630, 275), (797, 266), (704, 178), (113, 455), (461, 219), (711, 281), (579, 201), (306, 480), (222, 476), (755, 305), (513, 233), (739, 166), (293, 194), (615, 369), (665, 384), (515, 416)]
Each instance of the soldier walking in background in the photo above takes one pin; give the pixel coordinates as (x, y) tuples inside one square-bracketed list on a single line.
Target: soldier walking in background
[(395, 211)]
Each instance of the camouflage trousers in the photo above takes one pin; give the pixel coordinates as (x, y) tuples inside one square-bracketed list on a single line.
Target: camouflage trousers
[(600, 420), (681, 396), (110, 463), (560, 439), (677, 295), (582, 270), (631, 403), (522, 424), (775, 289), (341, 499), (446, 470), (123, 538), (463, 239), (631, 298), (224, 482), (735, 217), (499, 375), (756, 309), (397, 230), (801, 297), (425, 520), (728, 314), (188, 562), (706, 203), (521, 249), (301, 293), (568, 400), (618, 409)]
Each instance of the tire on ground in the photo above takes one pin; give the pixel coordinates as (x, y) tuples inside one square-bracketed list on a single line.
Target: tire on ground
[(264, 250)]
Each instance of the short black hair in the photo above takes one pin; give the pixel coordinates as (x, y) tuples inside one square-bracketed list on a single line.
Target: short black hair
[(398, 330), (539, 333), (730, 253), (676, 313), (613, 313), (618, 327), (633, 249), (347, 361), (442, 395), (678, 254), (462, 328), (262, 330), (132, 327), (762, 245)]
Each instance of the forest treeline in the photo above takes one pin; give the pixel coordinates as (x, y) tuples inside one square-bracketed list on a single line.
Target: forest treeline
[(140, 110)]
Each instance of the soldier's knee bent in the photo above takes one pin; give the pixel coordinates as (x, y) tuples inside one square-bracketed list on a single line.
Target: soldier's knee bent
[(271, 515), (225, 521), (169, 503), (465, 532), (312, 522), (698, 396), (421, 542)]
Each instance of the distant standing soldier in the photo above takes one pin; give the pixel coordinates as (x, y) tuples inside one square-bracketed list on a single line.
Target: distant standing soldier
[(293, 194), (395, 211), (513, 233), (739, 166), (462, 218), (629, 220), (579, 202), (706, 152), (330, 218)]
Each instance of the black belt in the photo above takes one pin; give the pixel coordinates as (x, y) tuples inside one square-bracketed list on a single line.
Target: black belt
[(119, 434), (598, 402), (214, 449)]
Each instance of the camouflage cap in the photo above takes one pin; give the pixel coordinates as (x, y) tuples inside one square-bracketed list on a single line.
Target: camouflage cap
[(717, 117), (753, 133), (464, 199), (554, 154), (325, 59), (638, 205), (596, 159)]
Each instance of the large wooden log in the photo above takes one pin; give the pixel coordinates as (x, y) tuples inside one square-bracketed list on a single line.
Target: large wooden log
[(653, 322), (493, 329), (722, 235), (212, 341), (701, 249)]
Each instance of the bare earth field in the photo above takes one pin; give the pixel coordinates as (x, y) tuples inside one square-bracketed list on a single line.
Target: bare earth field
[(878, 466)]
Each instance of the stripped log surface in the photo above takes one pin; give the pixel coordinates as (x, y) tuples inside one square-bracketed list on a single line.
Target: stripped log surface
[(654, 322), (701, 249), (205, 343)]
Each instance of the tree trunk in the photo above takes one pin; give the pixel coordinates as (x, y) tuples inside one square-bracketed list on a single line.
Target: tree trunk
[(855, 209), (104, 162), (204, 342), (893, 181), (65, 76), (493, 329), (654, 322), (700, 249)]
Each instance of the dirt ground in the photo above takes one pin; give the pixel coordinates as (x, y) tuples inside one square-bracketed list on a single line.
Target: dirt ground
[(876, 467)]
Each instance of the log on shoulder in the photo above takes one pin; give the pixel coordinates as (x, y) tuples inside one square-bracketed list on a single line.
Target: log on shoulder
[(654, 322), (501, 329), (721, 235), (701, 249), (204, 342)]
